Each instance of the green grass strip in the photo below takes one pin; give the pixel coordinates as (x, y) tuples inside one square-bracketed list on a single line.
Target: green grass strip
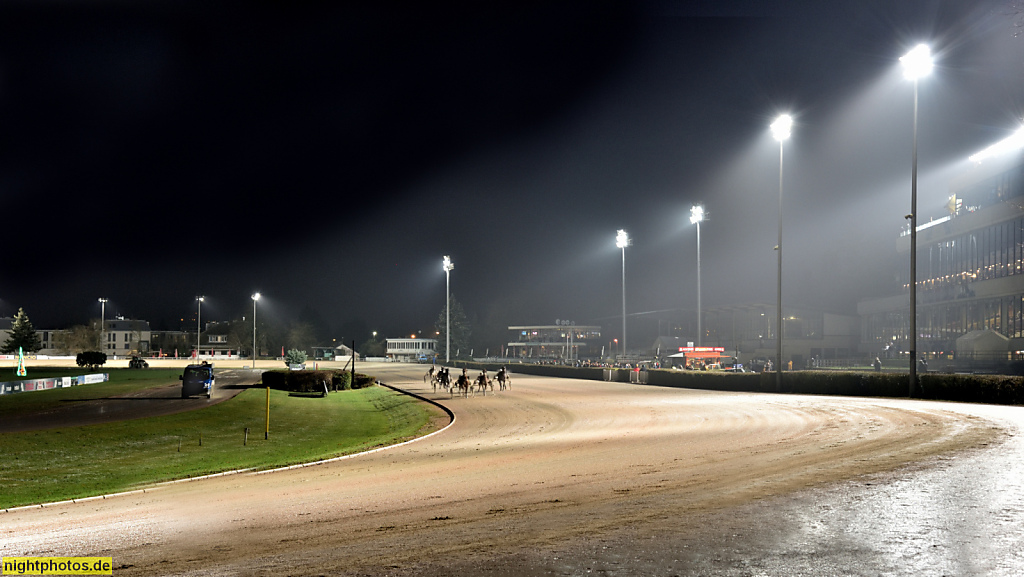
[(122, 382), (60, 464)]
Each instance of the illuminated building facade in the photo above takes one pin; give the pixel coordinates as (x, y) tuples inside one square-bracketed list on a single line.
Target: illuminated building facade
[(563, 340), (411, 350), (969, 268)]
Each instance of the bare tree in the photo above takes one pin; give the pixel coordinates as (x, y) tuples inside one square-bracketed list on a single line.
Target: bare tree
[(301, 336), (78, 339)]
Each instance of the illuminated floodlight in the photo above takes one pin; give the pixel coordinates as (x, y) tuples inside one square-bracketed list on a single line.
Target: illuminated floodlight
[(622, 241), (696, 214), (255, 297), (917, 63), (782, 127), (1012, 144), (447, 266)]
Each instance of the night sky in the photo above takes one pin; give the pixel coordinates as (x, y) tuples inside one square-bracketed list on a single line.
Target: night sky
[(329, 155)]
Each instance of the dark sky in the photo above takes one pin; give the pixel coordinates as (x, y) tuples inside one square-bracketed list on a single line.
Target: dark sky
[(329, 154)]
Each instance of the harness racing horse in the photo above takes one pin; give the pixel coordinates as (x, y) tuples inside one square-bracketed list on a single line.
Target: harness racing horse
[(482, 381), (443, 378), (504, 380), (464, 384), (432, 377)]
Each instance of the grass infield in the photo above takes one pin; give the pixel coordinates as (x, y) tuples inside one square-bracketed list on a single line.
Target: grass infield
[(76, 462), (122, 382)]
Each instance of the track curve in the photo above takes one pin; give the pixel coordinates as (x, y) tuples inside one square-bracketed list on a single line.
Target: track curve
[(551, 461)]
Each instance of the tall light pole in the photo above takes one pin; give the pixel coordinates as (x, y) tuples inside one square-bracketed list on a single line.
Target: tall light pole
[(255, 297), (103, 328), (447, 266), (622, 240), (696, 216), (781, 129), (916, 63), (199, 324)]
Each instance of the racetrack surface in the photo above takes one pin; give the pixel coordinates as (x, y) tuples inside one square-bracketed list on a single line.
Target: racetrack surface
[(550, 477)]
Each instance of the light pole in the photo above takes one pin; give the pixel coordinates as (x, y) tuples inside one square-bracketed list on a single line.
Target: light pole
[(916, 63), (622, 240), (255, 297), (103, 328), (199, 324), (447, 266), (696, 216), (780, 131)]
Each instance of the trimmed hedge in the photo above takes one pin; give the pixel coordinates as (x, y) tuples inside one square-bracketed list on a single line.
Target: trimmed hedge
[(992, 389), (313, 381)]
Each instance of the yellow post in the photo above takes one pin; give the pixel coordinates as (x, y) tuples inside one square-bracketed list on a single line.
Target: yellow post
[(266, 435)]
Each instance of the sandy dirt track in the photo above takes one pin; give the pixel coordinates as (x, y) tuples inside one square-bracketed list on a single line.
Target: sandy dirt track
[(519, 474)]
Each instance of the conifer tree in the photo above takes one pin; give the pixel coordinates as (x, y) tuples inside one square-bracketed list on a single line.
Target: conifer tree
[(461, 331), (23, 335)]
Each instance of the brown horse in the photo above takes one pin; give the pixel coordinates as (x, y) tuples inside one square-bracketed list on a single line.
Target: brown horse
[(464, 385), (482, 382)]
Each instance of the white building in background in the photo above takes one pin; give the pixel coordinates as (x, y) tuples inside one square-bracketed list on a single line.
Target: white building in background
[(126, 337), (411, 350), (122, 337)]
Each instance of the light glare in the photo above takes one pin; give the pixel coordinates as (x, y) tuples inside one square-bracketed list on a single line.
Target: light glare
[(917, 63), (781, 127), (256, 297), (447, 265), (1013, 143), (621, 239), (696, 214)]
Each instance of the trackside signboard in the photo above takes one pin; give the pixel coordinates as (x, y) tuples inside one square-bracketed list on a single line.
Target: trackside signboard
[(11, 387)]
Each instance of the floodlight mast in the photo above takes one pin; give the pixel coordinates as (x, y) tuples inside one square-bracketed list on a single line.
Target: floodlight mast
[(103, 327), (696, 217), (447, 266), (916, 64), (199, 324), (781, 129), (255, 297), (622, 240)]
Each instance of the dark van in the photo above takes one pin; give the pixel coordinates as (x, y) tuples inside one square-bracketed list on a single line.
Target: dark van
[(197, 380)]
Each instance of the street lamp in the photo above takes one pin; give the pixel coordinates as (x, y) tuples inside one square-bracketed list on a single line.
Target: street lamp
[(622, 240), (103, 328), (916, 64), (447, 266), (199, 324), (780, 131), (696, 216), (255, 297)]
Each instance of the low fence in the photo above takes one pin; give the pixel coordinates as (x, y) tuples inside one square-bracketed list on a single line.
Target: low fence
[(625, 376), (994, 389), (25, 386)]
